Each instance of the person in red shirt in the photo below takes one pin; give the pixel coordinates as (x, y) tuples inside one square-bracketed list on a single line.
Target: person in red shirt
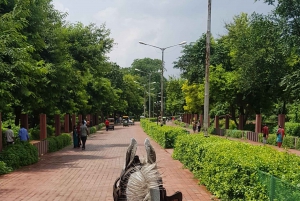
[(265, 131), (106, 124)]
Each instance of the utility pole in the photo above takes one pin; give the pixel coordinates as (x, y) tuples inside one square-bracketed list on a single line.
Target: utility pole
[(206, 96)]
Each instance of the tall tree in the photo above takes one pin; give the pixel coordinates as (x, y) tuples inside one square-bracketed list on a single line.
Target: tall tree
[(192, 61), (175, 98)]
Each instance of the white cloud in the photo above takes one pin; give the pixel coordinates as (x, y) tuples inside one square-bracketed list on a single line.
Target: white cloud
[(161, 23), (59, 6)]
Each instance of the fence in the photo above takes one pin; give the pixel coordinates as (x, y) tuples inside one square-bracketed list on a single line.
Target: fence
[(249, 135), (42, 146), (277, 189)]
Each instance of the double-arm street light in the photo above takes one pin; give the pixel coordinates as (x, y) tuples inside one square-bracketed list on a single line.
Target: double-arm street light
[(162, 73), (149, 88)]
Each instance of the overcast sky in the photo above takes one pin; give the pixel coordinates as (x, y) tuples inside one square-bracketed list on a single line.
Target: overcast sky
[(161, 23)]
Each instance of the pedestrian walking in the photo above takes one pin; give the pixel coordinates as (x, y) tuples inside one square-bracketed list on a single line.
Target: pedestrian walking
[(265, 131), (199, 126), (280, 135), (106, 124), (23, 134), (84, 133), (10, 138), (75, 137), (194, 126)]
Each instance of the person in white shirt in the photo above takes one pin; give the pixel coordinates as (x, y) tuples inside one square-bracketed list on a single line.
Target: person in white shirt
[(9, 135)]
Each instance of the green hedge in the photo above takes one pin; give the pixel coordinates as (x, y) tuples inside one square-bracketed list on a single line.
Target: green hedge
[(292, 129), (229, 169), (17, 155), (59, 142), (93, 129), (165, 136)]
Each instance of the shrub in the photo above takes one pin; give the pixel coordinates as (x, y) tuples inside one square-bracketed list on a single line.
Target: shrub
[(93, 129), (163, 135), (234, 133), (292, 129), (4, 169), (101, 125), (19, 154), (229, 169), (59, 142)]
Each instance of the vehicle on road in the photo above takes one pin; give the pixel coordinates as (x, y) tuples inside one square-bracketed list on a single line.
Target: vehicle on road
[(125, 121), (111, 123)]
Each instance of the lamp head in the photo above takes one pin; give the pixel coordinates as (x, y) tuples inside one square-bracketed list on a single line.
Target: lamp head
[(141, 42), (182, 43)]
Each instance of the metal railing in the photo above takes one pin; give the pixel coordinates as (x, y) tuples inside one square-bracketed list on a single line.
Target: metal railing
[(277, 189)]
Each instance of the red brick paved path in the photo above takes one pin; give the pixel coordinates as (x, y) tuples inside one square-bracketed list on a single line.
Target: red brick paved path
[(73, 174)]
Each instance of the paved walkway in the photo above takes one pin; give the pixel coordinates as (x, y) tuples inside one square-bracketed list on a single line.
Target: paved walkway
[(73, 174)]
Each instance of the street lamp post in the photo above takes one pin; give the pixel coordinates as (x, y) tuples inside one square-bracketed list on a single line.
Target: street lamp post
[(149, 89), (162, 73), (206, 93)]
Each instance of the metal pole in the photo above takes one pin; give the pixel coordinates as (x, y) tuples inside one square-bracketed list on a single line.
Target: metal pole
[(149, 98), (145, 102), (206, 96), (162, 87)]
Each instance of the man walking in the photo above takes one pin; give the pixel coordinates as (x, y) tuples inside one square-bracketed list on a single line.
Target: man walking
[(106, 124), (23, 134), (9, 135), (84, 133), (265, 131)]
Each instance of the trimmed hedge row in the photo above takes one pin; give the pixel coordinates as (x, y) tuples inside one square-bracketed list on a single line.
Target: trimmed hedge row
[(59, 142), (17, 155), (165, 136), (229, 169)]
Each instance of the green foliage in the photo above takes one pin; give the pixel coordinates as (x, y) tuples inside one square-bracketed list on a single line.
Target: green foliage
[(292, 129), (180, 123), (192, 61), (165, 136), (194, 97), (175, 98), (4, 169), (231, 124), (101, 125), (19, 154), (222, 167), (235, 133), (59, 142), (93, 129)]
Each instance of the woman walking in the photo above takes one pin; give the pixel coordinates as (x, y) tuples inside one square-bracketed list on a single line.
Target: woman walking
[(75, 137)]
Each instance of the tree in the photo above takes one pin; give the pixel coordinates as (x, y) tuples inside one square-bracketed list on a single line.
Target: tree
[(175, 99), (192, 61), (194, 97), (287, 16)]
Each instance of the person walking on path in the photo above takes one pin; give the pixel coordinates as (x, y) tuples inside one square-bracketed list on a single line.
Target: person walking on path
[(265, 131), (23, 134), (75, 137), (9, 135), (280, 135), (84, 133), (194, 126), (199, 126), (106, 124)]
